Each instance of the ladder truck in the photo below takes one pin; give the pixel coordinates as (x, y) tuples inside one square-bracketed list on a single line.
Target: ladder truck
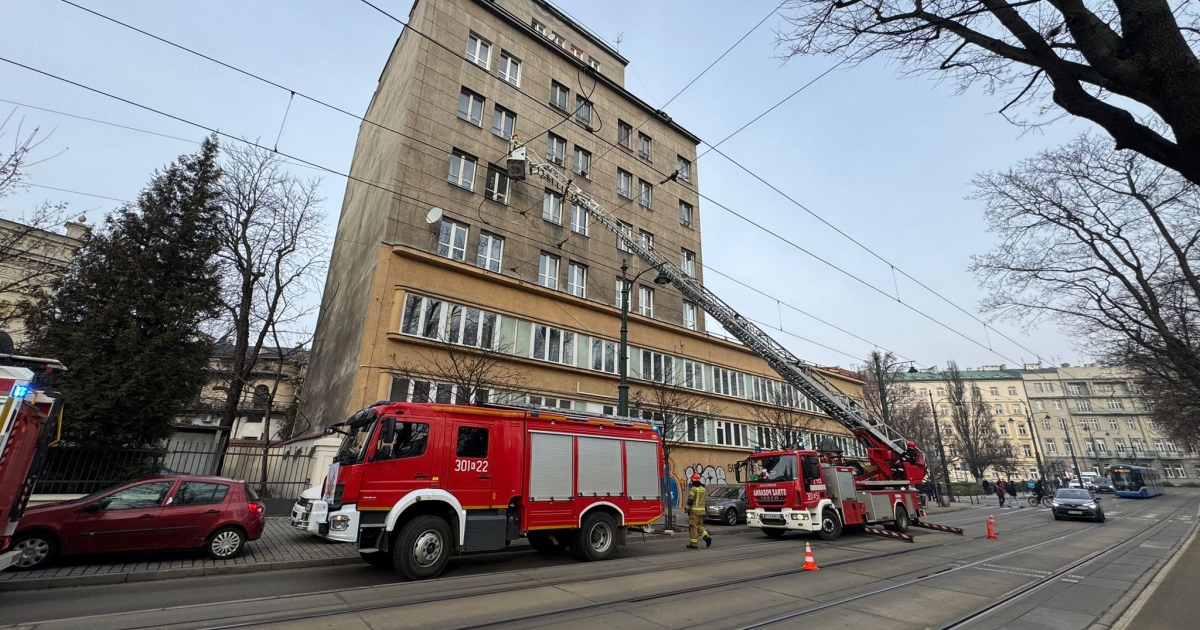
[(788, 490)]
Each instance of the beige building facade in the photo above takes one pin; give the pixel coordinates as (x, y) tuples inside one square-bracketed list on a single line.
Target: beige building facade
[(31, 261), (441, 253)]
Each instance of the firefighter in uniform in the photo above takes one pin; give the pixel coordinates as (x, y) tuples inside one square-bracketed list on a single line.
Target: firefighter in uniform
[(695, 508)]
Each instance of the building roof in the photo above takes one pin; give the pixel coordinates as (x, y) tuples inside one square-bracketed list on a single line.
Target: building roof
[(969, 375)]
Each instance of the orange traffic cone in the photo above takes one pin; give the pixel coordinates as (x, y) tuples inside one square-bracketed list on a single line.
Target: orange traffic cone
[(809, 563), (992, 527)]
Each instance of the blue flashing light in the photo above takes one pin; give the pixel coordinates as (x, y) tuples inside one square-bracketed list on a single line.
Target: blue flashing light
[(20, 391)]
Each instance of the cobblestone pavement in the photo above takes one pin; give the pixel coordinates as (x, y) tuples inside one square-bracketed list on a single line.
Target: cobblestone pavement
[(281, 547)]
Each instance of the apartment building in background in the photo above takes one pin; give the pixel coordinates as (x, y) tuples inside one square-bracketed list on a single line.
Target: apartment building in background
[(1099, 415), (1003, 392), (32, 259), (439, 253)]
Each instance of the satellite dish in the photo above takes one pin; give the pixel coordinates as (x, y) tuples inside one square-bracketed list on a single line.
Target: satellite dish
[(434, 216)]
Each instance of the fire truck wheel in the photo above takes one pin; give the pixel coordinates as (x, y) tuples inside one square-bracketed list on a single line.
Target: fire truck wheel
[(831, 525), (774, 533), (380, 559), (422, 548), (597, 539), (38, 549), (902, 521), (545, 543)]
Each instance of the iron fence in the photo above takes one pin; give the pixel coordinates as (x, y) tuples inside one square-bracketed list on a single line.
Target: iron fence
[(80, 470)]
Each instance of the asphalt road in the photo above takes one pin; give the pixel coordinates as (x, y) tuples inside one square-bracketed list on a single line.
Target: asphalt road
[(744, 581)]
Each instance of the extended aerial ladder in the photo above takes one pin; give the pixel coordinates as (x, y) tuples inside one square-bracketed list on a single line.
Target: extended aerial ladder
[(885, 448)]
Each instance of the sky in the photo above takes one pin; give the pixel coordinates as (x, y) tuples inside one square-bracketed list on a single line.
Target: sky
[(886, 159)]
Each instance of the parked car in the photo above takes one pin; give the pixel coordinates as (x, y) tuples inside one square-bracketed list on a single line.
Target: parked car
[(1103, 484), (726, 504), (162, 513), (300, 514), (1076, 503)]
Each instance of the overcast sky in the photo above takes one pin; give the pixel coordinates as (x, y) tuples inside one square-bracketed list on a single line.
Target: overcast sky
[(887, 159)]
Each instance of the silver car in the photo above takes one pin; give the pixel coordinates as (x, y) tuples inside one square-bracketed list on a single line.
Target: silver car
[(726, 504)]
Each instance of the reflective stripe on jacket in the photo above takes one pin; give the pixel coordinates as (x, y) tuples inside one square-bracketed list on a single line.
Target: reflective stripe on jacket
[(695, 500)]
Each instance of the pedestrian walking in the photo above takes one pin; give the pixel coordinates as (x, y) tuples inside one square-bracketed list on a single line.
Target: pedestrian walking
[(987, 487), (695, 507), (1012, 495), (1000, 492)]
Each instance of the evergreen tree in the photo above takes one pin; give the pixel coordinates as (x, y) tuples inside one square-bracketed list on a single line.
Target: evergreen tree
[(127, 318)]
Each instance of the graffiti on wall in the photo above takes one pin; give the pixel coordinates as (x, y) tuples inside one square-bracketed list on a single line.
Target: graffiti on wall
[(710, 475)]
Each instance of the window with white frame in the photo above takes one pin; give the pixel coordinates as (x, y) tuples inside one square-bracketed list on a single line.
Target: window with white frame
[(490, 253), (696, 431), (422, 316), (594, 64), (1106, 388), (577, 279), (1051, 447), (685, 213), (552, 203), (1083, 405), (579, 220), (998, 409), (1028, 450), (624, 183), (470, 107), (504, 122), (1021, 430), (479, 50), (1152, 425), (1062, 423), (1158, 445), (552, 344), (1101, 445), (689, 316), (558, 95), (548, 271), (1016, 409), (995, 391), (578, 54), (693, 374), (624, 133), (1180, 473), (1058, 405), (728, 382), (604, 355), (1131, 423), (1003, 428), (1136, 445), (1116, 404), (1171, 448), (646, 238), (732, 434), (540, 28), (646, 301), (583, 111), (1037, 387), (556, 149), (645, 193), (684, 168), (452, 242), (1119, 444), (553, 403), (509, 68), (497, 185), (1039, 405), (658, 367), (1077, 389), (582, 164), (941, 391), (644, 142), (1068, 446), (462, 169), (620, 292), (626, 230), (1113, 424), (470, 326), (1012, 391), (687, 261)]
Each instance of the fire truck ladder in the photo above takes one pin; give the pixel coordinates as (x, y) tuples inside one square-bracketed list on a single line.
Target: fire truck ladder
[(796, 372)]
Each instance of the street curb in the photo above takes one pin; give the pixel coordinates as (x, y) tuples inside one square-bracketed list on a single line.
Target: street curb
[(168, 574)]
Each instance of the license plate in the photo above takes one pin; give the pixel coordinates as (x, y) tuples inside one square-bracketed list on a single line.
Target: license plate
[(772, 517), (1074, 511)]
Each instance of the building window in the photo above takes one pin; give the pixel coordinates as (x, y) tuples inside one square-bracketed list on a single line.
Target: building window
[(695, 430), (540, 28), (1016, 409), (1116, 404), (1012, 391), (558, 95), (732, 434), (1158, 445), (470, 107), (941, 391), (687, 261), (1068, 446), (1058, 405), (556, 149), (548, 271), (646, 301), (1136, 445), (689, 316), (1037, 387), (1028, 450), (693, 375), (1083, 405), (552, 207), (1131, 423), (497, 185), (479, 50), (1021, 429), (644, 145), (684, 214), (1119, 443), (491, 251), (462, 169), (1045, 424), (1179, 472), (1077, 389), (624, 132), (1106, 388), (1051, 447), (452, 243), (684, 168), (583, 162), (552, 344), (1062, 423), (999, 409), (658, 367), (422, 316), (1039, 405), (577, 279), (604, 355), (645, 190), (620, 286), (728, 382), (624, 183), (583, 111), (594, 64), (1171, 448), (627, 232), (995, 391), (646, 238), (509, 68), (1113, 424), (1003, 428), (470, 326), (579, 220), (504, 122), (1152, 425)]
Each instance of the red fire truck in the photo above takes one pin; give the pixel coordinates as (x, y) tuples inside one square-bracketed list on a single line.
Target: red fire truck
[(30, 419), (331, 511), (431, 480)]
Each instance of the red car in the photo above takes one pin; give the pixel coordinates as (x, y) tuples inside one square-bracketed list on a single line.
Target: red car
[(156, 513)]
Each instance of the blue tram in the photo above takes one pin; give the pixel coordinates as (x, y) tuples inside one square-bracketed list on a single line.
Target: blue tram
[(1136, 482)]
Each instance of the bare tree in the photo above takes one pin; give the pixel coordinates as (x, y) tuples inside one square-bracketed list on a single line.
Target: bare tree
[(456, 373), (975, 435), (908, 412), (283, 356), (273, 249), (786, 425), (1102, 61), (1104, 244)]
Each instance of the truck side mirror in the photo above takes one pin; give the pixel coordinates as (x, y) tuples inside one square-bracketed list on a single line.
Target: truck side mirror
[(737, 470), (387, 433)]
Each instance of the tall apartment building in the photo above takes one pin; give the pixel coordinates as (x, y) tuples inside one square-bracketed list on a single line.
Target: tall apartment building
[(1003, 391), (1099, 415), (438, 252)]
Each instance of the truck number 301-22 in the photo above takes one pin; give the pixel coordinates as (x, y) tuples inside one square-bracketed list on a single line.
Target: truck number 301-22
[(470, 465)]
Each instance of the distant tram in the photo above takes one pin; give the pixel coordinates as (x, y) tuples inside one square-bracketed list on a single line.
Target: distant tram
[(1136, 482)]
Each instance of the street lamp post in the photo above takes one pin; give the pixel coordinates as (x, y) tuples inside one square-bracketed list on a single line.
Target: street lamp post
[(1037, 453), (623, 358), (1074, 462), (937, 430)]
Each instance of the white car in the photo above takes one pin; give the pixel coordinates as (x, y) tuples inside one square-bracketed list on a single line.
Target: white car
[(300, 510)]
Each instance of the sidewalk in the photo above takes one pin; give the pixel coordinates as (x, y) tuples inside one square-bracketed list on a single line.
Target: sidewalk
[(281, 547), (1172, 604)]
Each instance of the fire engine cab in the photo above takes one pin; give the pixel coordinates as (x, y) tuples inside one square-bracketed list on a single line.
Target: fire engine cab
[(431, 480)]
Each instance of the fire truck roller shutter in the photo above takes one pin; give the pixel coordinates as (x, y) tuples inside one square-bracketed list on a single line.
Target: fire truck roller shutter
[(551, 467), (641, 473), (433, 495), (600, 469)]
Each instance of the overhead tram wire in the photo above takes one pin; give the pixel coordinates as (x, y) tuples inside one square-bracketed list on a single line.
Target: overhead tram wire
[(546, 105)]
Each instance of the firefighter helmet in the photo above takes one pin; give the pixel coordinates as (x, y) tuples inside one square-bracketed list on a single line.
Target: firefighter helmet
[(695, 477), (912, 444)]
